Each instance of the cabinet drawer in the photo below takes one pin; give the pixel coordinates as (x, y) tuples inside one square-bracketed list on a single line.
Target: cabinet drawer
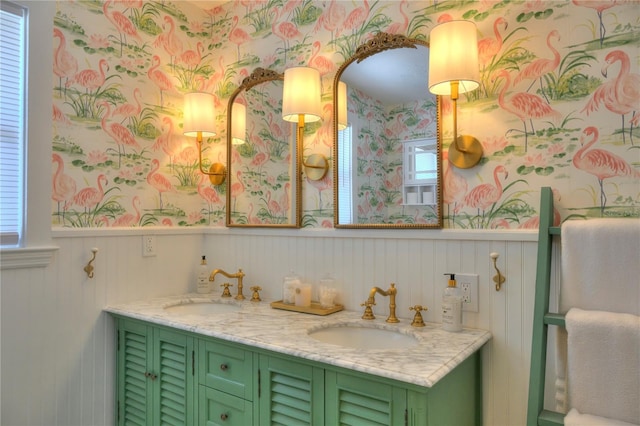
[(226, 368), (219, 408)]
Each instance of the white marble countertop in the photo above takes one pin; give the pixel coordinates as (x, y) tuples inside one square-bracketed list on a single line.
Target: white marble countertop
[(257, 324)]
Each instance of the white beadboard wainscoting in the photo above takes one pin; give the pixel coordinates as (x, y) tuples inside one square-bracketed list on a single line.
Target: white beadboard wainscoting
[(57, 351)]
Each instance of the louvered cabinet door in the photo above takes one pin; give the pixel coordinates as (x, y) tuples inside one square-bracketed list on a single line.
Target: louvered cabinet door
[(291, 393), (174, 385), (357, 401), (134, 363)]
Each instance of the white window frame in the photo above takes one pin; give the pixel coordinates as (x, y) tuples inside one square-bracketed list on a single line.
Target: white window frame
[(36, 249)]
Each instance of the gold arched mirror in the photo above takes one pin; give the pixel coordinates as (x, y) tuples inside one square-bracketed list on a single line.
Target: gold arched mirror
[(387, 138), (263, 188)]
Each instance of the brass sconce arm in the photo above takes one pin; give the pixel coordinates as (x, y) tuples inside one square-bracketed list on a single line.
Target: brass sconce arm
[(316, 166), (217, 171), (498, 279)]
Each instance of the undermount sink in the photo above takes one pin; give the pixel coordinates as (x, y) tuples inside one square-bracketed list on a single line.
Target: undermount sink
[(358, 337), (201, 308)]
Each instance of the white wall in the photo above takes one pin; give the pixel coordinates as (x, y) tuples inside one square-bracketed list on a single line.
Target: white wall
[(57, 344)]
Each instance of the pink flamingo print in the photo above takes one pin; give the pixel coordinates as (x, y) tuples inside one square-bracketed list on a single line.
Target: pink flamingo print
[(90, 197), (525, 106), (321, 185), (159, 181), (285, 31), (285, 199), (238, 36), (355, 19), (65, 65), (130, 219), (159, 78), (621, 95), (122, 23), (237, 189), (208, 194), (273, 206), (169, 41), (599, 7), (192, 58), (454, 188), (400, 27), (321, 63), (600, 163), (128, 110), (59, 116), (331, 18), (91, 79), (541, 67), (485, 195), (120, 134), (489, 47), (253, 220), (534, 222), (167, 142), (64, 187)]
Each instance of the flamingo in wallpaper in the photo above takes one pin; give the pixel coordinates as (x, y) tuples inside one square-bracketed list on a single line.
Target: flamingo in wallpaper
[(192, 58), (208, 194), (159, 78), (525, 106), (454, 187), (621, 95), (128, 110), (166, 142), (238, 36), (120, 134), (400, 27), (485, 195), (285, 31), (331, 18), (355, 19), (541, 67), (321, 63), (64, 187), (65, 65), (321, 185), (534, 222), (600, 163), (237, 188), (90, 197), (91, 79), (124, 26), (169, 41), (130, 219), (159, 181), (599, 7), (489, 47)]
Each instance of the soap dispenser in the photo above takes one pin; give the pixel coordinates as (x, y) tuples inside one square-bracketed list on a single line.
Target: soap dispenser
[(203, 285), (452, 306)]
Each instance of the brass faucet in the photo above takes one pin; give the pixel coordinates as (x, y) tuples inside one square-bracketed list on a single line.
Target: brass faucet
[(239, 275), (391, 292)]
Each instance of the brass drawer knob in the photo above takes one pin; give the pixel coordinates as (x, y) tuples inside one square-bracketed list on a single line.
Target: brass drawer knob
[(224, 367), (224, 416)]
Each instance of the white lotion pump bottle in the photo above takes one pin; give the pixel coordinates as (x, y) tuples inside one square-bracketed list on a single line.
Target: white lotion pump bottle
[(203, 285), (452, 306)]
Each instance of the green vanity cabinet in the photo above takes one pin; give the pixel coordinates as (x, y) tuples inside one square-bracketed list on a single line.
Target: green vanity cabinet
[(156, 383), (291, 392)]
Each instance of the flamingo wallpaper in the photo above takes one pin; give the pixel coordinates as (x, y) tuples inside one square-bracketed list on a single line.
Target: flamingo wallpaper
[(558, 105)]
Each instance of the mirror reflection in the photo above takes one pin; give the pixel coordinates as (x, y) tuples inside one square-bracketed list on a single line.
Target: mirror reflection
[(261, 186), (387, 169)]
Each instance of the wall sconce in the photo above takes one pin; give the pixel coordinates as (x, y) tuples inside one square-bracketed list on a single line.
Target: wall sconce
[(301, 104), (238, 123), (454, 69), (199, 121), (343, 116)]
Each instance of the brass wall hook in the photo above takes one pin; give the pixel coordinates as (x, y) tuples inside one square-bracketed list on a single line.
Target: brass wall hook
[(499, 279), (89, 268)]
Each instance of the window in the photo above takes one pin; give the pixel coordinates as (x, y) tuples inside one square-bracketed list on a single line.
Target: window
[(12, 142), (420, 161), (345, 199)]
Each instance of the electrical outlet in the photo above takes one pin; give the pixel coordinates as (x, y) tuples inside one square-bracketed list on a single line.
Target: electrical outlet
[(469, 285), (148, 245)]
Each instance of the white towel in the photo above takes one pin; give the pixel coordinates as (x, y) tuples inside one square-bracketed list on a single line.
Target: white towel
[(604, 364), (574, 418), (601, 265)]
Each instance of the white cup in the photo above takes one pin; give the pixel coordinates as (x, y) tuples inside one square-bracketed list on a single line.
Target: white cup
[(428, 197), (412, 198)]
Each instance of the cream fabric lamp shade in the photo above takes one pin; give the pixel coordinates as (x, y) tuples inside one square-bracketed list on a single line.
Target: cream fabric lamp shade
[(301, 94), (343, 121), (453, 56), (199, 114), (238, 123)]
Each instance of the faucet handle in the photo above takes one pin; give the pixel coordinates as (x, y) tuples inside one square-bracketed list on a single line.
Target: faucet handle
[(417, 319), (226, 292), (368, 312), (256, 296)]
